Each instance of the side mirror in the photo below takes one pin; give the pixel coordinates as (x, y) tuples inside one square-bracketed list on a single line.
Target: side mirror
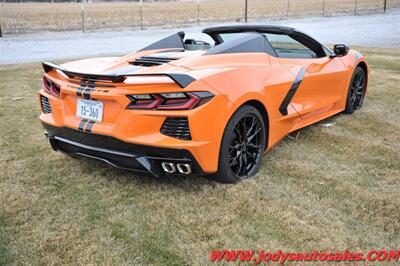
[(340, 50)]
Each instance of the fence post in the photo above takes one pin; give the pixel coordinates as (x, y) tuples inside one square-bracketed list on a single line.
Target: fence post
[(323, 8), (141, 14), (198, 12), (1, 14), (83, 16), (245, 11), (288, 9), (355, 7), (384, 5)]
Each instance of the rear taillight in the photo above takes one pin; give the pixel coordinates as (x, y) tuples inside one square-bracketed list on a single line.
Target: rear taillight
[(50, 87), (169, 101)]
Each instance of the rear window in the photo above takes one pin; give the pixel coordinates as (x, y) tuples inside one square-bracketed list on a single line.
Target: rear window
[(284, 45), (228, 36)]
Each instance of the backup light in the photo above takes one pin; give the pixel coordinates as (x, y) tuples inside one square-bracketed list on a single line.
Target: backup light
[(142, 96), (173, 95)]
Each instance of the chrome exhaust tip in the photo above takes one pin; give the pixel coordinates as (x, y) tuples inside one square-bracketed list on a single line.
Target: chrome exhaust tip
[(168, 167), (184, 168)]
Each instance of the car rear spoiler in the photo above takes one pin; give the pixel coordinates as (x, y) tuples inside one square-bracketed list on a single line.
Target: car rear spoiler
[(183, 80)]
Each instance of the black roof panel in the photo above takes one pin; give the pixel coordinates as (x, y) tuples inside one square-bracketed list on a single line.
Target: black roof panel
[(246, 27), (172, 41)]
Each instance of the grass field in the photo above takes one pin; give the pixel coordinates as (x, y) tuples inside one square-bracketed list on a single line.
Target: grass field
[(33, 17), (333, 188)]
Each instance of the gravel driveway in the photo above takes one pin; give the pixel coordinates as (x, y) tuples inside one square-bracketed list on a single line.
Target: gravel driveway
[(381, 30)]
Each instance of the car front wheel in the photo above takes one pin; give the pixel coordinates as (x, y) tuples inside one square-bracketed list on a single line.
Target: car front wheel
[(356, 92)]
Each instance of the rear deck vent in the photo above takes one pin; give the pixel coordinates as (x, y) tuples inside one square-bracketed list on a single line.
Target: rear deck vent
[(44, 102), (176, 127), (151, 61)]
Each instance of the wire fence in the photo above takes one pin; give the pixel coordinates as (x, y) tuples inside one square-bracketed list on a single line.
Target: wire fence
[(26, 17)]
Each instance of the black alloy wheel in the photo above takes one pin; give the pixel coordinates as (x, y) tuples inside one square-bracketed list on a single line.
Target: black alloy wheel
[(356, 93), (243, 145)]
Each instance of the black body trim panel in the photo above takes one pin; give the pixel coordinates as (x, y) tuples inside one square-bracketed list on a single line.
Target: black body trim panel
[(120, 154), (289, 96), (173, 41), (183, 80), (82, 124), (247, 27), (214, 32)]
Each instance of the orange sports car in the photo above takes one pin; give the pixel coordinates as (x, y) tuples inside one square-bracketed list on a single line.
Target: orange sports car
[(187, 107)]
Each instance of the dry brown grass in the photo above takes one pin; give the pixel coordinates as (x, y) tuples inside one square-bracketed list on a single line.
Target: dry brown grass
[(32, 17), (332, 189)]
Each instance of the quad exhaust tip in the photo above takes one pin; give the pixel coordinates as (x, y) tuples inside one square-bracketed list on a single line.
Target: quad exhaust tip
[(182, 168), (168, 167)]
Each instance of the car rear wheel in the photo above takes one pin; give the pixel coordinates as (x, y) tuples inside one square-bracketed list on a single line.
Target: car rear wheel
[(242, 147), (356, 92)]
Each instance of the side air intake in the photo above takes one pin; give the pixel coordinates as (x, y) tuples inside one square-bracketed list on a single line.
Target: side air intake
[(176, 127), (44, 102)]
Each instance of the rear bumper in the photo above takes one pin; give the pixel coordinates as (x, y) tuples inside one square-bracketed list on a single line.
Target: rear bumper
[(134, 157)]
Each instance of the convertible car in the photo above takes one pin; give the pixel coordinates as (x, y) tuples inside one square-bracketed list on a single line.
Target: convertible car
[(189, 107)]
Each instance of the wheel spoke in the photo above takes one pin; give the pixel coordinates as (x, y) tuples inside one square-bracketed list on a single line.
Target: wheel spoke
[(244, 158), (253, 146), (243, 128), (251, 156), (240, 164), (250, 138), (234, 161), (253, 124), (236, 147), (360, 81)]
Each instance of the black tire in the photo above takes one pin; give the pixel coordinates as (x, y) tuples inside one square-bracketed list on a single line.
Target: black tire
[(356, 91), (242, 147)]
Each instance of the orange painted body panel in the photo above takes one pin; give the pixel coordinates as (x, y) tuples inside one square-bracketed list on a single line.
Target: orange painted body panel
[(234, 79)]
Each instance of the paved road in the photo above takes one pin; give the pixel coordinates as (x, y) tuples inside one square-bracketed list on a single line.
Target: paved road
[(381, 30)]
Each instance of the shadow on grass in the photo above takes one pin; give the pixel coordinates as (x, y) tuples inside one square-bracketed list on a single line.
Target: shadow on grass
[(127, 177), (4, 255)]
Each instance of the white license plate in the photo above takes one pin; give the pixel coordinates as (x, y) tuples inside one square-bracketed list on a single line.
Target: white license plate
[(91, 110)]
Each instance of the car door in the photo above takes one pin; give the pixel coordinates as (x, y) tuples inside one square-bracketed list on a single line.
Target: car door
[(322, 78)]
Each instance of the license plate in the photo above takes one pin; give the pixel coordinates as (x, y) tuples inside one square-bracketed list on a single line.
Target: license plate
[(91, 110)]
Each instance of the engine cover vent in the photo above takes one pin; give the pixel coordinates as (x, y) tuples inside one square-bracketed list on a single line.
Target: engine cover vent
[(151, 61)]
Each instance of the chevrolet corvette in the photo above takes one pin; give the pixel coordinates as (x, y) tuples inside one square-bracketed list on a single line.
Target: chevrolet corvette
[(183, 106)]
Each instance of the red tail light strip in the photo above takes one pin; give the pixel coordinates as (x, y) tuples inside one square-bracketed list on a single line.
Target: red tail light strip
[(188, 101), (191, 102), (50, 87)]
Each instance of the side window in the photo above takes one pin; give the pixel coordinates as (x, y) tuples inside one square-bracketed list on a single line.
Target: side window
[(287, 47)]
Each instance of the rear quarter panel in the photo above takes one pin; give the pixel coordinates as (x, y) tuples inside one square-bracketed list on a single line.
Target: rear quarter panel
[(267, 84)]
